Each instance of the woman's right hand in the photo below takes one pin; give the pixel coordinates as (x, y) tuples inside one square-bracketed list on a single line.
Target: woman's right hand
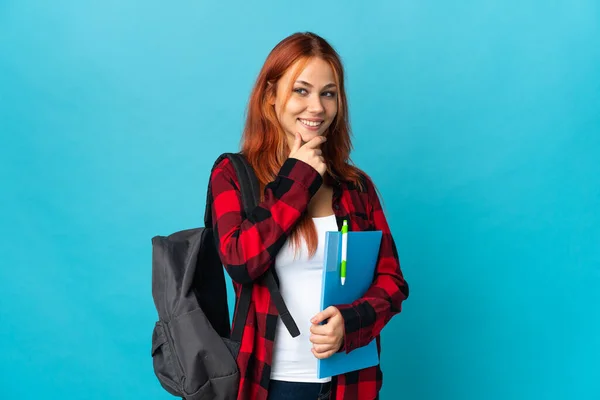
[(310, 152)]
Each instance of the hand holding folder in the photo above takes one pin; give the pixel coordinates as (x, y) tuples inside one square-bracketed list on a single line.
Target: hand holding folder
[(362, 253)]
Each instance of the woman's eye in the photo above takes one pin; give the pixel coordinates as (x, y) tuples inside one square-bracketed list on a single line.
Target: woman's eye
[(300, 90), (329, 94)]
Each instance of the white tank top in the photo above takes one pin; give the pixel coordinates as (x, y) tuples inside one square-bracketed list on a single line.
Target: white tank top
[(300, 284)]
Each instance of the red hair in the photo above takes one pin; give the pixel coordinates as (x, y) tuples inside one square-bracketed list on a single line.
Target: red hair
[(264, 142)]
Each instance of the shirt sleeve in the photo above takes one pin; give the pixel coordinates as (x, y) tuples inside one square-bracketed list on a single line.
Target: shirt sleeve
[(247, 244), (365, 318)]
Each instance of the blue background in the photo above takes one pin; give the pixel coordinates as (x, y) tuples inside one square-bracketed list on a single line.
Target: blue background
[(478, 120)]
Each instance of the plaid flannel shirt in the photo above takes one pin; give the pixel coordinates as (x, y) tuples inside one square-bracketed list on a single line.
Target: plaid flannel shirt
[(249, 244)]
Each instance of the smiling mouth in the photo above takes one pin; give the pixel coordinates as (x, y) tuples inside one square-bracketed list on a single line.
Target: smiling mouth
[(310, 124)]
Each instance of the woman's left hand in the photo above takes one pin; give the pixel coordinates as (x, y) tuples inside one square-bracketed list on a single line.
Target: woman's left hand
[(328, 338)]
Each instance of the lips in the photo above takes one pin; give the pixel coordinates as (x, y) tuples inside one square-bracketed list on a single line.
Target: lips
[(310, 123)]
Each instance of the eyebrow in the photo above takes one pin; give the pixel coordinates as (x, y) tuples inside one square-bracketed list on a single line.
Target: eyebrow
[(309, 85)]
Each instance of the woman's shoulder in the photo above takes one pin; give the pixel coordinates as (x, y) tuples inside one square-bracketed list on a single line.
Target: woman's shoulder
[(223, 165), (223, 174), (361, 183)]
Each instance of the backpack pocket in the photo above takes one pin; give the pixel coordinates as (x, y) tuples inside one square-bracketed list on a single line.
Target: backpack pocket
[(164, 361), (205, 360)]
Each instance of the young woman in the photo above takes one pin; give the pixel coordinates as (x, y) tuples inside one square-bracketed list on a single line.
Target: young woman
[(297, 139)]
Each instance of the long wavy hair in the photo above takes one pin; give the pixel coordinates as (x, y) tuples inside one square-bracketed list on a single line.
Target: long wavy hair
[(264, 141)]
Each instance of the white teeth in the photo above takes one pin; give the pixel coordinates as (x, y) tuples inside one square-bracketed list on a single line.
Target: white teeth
[(310, 123)]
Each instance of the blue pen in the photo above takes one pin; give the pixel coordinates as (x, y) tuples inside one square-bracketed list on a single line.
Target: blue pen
[(344, 251)]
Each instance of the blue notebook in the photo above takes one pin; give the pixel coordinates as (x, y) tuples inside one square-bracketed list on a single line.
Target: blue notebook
[(361, 259)]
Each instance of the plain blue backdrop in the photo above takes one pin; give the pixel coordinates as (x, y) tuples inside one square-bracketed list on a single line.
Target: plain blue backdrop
[(478, 120)]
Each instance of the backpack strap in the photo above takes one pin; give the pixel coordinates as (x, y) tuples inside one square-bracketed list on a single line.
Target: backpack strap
[(250, 197)]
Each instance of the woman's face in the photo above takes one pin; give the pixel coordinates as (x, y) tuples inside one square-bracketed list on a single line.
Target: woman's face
[(312, 105)]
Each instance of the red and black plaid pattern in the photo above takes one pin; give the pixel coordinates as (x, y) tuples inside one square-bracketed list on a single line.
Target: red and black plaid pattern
[(248, 246)]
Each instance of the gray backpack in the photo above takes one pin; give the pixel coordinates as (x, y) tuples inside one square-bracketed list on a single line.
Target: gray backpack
[(194, 350)]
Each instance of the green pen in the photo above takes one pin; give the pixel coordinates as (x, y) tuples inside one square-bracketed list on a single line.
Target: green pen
[(344, 251)]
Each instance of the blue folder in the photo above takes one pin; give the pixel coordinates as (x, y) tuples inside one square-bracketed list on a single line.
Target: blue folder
[(361, 259)]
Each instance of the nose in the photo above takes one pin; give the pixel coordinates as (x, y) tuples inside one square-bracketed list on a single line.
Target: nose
[(315, 104)]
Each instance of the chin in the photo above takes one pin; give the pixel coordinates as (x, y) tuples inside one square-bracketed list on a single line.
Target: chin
[(308, 136)]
